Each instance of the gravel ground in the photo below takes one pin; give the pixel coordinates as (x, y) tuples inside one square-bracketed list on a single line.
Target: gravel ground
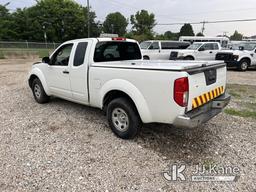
[(62, 146), (243, 78)]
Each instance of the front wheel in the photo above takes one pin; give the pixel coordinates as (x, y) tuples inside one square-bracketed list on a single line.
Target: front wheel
[(243, 65), (123, 118), (38, 92)]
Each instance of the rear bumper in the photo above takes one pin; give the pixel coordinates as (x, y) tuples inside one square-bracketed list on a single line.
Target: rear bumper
[(202, 114)]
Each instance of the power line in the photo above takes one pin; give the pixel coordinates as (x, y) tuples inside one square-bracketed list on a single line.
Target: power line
[(209, 22)]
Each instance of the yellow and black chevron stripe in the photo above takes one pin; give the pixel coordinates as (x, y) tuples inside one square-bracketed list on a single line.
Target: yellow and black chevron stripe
[(202, 99)]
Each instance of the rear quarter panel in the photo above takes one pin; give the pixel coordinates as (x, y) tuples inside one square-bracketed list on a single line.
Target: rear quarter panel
[(151, 91)]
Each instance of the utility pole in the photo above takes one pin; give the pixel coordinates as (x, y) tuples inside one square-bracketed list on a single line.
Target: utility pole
[(88, 18), (203, 28)]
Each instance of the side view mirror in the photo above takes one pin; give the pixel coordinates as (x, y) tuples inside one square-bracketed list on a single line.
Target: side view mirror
[(46, 60), (201, 49), (255, 51)]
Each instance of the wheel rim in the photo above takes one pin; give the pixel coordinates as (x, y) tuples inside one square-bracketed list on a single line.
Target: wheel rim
[(244, 66), (120, 119), (37, 91)]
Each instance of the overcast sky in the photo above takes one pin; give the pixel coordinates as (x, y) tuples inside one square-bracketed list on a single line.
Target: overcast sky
[(173, 11)]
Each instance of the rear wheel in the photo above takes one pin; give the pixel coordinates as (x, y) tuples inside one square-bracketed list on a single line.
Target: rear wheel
[(38, 92), (123, 118), (243, 65)]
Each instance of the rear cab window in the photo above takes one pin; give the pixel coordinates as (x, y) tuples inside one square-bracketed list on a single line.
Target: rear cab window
[(80, 53), (107, 51)]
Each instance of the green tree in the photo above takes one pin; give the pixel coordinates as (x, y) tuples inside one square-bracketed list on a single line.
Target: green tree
[(187, 30), (115, 23), (171, 36), (236, 36), (6, 31), (61, 20), (200, 34), (143, 23)]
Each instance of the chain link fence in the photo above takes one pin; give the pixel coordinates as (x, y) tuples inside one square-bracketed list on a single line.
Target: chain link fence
[(25, 49), (28, 45)]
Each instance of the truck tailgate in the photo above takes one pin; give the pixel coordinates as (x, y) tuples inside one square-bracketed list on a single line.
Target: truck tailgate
[(205, 84)]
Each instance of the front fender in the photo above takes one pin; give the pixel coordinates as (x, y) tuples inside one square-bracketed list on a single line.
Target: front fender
[(37, 72), (133, 92)]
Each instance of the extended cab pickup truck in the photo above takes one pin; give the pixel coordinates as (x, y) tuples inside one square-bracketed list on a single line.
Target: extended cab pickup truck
[(197, 51), (242, 56), (110, 74)]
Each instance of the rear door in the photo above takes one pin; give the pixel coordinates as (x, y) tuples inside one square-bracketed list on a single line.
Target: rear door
[(78, 71), (205, 84)]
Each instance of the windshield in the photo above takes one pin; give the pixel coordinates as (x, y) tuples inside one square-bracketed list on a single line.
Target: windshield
[(246, 46), (145, 45), (194, 46)]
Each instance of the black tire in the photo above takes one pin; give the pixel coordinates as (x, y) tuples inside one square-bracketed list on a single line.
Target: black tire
[(127, 113), (189, 58), (243, 65), (38, 92), (146, 57)]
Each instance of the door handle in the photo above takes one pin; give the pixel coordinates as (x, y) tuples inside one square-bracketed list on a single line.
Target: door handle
[(65, 72), (210, 51)]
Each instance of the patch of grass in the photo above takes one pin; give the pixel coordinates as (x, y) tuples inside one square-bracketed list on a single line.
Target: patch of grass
[(234, 94), (2, 55), (208, 163), (24, 53), (241, 113), (43, 53)]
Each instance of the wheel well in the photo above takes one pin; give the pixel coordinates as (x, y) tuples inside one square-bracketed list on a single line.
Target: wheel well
[(190, 56), (31, 79), (146, 57), (247, 59), (114, 94)]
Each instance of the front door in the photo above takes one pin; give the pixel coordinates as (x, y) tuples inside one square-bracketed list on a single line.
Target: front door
[(58, 73), (207, 52)]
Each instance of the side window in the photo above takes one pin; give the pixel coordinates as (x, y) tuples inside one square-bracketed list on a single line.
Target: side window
[(208, 46), (154, 45), (62, 55), (169, 45), (215, 46), (80, 53)]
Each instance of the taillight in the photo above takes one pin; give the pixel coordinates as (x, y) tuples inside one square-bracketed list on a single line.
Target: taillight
[(118, 39), (181, 90)]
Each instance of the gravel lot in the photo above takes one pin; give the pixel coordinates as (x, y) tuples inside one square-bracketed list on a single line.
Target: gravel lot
[(62, 146)]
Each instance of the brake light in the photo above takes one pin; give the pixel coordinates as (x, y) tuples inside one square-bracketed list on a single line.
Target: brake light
[(181, 91), (118, 39)]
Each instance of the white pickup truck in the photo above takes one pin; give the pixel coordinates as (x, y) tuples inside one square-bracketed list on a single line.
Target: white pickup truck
[(109, 73), (242, 56), (197, 51)]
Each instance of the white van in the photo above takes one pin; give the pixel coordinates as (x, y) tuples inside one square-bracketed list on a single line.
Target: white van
[(160, 50)]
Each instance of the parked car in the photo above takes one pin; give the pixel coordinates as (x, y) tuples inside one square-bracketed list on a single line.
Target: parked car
[(197, 51), (109, 73), (242, 56), (160, 50)]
